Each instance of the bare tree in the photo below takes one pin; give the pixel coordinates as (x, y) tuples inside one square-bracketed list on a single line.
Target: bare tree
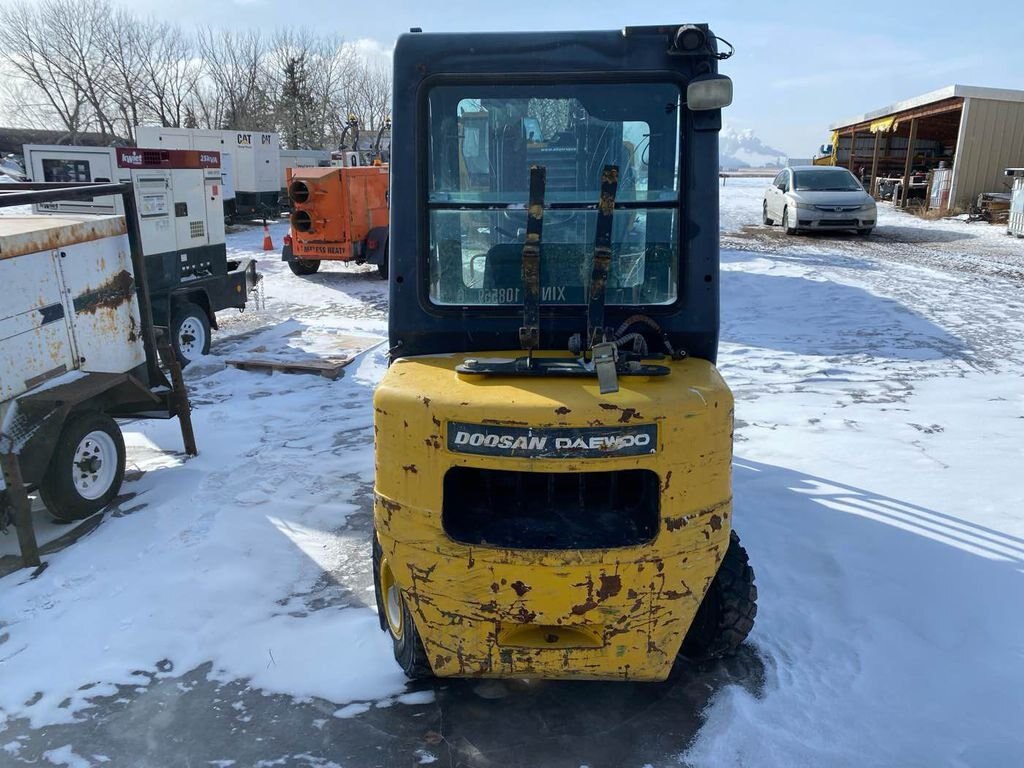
[(291, 61), (77, 29), (125, 49), (31, 52), (80, 65), (235, 66), (338, 65), (315, 74), (368, 95), (171, 75)]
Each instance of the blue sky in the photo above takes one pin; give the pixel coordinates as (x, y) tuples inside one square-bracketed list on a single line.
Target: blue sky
[(799, 66)]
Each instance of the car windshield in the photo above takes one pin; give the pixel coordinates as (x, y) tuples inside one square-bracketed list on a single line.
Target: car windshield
[(825, 181), (483, 141)]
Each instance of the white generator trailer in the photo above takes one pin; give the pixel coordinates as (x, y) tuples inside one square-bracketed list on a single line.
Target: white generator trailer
[(181, 221), (77, 349), (254, 158)]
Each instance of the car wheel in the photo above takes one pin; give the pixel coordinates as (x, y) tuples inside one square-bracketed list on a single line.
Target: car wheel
[(764, 215), (785, 222), (86, 470)]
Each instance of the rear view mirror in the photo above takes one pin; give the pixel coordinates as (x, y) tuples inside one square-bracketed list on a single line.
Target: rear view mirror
[(709, 92)]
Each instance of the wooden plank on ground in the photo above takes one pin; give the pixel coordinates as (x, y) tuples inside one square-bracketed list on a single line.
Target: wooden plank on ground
[(330, 369)]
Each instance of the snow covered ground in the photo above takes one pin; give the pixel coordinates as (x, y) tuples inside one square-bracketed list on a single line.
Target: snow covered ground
[(222, 611)]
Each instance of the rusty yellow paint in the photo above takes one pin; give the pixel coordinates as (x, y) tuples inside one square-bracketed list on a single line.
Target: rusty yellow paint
[(586, 614)]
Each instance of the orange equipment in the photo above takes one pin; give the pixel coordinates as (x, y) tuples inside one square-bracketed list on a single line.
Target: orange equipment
[(268, 244), (338, 214)]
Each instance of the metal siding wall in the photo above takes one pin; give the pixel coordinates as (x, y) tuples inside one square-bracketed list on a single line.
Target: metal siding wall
[(992, 140)]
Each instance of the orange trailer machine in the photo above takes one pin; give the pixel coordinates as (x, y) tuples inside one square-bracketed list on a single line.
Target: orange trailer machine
[(338, 214)]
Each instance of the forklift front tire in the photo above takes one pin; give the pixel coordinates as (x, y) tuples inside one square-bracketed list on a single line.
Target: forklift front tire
[(86, 469), (396, 620), (304, 267), (726, 616)]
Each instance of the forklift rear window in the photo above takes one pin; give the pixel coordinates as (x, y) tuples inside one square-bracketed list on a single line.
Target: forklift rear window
[(483, 140)]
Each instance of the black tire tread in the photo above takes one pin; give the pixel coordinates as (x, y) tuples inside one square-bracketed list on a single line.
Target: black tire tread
[(382, 268), (409, 651), (726, 615), (304, 267)]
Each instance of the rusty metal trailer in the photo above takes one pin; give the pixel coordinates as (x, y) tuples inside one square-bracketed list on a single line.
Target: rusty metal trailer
[(78, 348), (178, 194)]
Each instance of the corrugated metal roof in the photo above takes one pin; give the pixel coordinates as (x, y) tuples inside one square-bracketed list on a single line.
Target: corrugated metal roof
[(949, 92)]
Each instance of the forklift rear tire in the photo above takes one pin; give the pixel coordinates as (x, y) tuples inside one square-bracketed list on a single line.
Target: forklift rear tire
[(303, 267), (86, 469), (396, 620), (726, 616), (190, 332)]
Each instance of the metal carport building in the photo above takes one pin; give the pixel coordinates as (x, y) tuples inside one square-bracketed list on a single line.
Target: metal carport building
[(975, 133)]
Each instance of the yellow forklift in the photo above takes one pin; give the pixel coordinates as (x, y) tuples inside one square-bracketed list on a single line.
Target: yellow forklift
[(553, 441)]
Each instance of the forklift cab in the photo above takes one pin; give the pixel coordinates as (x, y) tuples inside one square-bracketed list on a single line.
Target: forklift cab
[(554, 326)]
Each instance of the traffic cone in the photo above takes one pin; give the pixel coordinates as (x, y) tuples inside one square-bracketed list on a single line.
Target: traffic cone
[(268, 244)]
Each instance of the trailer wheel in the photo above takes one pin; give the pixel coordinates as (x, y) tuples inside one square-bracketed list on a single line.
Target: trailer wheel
[(190, 332), (382, 268), (764, 215), (86, 469), (396, 620), (303, 267), (726, 616)]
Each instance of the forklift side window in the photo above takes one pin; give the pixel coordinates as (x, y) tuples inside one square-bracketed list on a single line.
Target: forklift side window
[(481, 143)]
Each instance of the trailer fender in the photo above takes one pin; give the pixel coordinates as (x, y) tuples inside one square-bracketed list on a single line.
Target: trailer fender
[(94, 392), (198, 296), (375, 250)]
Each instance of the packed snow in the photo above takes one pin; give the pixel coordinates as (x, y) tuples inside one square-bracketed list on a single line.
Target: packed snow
[(879, 425)]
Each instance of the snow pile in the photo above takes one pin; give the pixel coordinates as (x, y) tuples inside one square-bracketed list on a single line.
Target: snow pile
[(880, 419), (232, 556), (216, 558)]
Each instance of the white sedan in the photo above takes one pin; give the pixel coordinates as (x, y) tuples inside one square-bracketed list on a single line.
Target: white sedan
[(815, 197)]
